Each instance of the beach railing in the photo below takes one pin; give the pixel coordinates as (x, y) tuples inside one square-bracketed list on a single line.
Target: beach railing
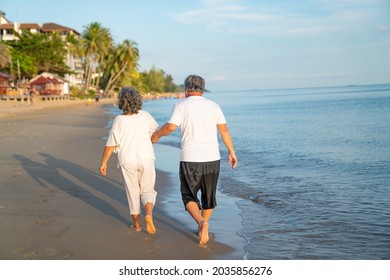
[(54, 97), (26, 98), (20, 98)]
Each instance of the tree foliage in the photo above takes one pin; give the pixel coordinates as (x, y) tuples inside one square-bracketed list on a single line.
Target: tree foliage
[(96, 44), (123, 60), (157, 81), (5, 55), (107, 65), (46, 52)]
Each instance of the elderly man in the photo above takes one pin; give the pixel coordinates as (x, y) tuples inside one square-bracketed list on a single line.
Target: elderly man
[(199, 119)]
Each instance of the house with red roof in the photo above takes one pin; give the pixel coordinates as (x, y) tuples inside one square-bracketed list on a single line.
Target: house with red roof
[(49, 84)]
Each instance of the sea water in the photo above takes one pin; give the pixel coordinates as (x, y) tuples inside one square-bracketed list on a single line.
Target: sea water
[(313, 178)]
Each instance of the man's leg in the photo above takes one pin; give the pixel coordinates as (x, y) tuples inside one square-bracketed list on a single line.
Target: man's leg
[(193, 209), (206, 214)]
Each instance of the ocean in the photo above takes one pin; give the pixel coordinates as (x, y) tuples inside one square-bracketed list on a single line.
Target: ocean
[(313, 178)]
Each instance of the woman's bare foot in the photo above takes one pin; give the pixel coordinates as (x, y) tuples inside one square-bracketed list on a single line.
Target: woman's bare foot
[(150, 228), (133, 227)]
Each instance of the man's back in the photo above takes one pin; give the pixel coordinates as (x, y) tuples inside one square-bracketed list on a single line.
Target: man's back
[(198, 118)]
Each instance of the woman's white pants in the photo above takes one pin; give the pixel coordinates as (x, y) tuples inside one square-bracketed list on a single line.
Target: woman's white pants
[(139, 178)]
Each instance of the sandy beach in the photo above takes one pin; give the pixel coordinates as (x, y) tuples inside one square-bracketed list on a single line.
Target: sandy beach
[(55, 205)]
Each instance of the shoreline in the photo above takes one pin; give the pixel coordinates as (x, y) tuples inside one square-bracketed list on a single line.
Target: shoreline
[(12, 108), (55, 206)]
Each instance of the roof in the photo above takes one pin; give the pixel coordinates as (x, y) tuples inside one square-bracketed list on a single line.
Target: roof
[(46, 27), (40, 80), (45, 80), (50, 27), (7, 26), (29, 26), (4, 76)]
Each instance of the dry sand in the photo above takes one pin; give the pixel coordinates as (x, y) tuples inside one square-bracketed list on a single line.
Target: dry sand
[(55, 205)]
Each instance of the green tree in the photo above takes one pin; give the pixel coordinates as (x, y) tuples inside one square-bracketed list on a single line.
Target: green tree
[(155, 80), (169, 85), (97, 42), (133, 78), (24, 63), (5, 55), (122, 61), (73, 47), (47, 52)]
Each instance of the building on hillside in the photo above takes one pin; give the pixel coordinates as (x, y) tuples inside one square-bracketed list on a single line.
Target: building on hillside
[(7, 30)]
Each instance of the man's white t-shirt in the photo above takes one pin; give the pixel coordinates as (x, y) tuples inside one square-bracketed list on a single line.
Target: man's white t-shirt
[(131, 136), (197, 118)]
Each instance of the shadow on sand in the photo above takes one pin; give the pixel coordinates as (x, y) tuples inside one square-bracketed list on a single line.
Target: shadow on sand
[(60, 174), (53, 173)]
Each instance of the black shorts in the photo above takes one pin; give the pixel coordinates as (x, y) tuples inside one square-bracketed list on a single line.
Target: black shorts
[(203, 176)]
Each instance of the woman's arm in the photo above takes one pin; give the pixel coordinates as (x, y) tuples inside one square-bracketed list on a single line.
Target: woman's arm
[(107, 152)]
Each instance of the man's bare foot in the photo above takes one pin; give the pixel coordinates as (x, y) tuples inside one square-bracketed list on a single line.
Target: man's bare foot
[(204, 233), (150, 228)]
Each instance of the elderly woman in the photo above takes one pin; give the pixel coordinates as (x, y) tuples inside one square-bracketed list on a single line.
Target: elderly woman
[(130, 138)]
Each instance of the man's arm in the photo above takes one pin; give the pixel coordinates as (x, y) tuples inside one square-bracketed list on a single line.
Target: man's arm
[(167, 129), (106, 156), (227, 139)]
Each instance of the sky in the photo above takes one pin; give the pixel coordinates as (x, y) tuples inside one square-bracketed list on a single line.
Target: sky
[(238, 44)]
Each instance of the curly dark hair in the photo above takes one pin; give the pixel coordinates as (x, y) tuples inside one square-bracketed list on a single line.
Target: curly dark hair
[(129, 100)]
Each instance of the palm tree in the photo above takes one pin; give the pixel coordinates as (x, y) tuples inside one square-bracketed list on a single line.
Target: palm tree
[(73, 49), (74, 52), (96, 41), (124, 59), (106, 48), (5, 55)]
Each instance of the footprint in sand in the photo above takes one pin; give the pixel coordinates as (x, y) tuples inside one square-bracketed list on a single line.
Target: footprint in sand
[(58, 254), (44, 222), (41, 199), (154, 253), (33, 255), (150, 239), (59, 233), (49, 254), (49, 217)]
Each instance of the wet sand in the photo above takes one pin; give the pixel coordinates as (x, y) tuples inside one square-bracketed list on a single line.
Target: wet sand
[(55, 205)]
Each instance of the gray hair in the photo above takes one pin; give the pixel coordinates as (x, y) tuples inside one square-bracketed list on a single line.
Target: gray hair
[(194, 83), (129, 100)]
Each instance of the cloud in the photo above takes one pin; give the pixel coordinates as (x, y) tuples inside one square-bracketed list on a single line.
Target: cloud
[(383, 28), (279, 20), (214, 16), (217, 78)]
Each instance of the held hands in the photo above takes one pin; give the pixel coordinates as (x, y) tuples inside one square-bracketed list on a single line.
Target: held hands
[(155, 137), (232, 160)]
